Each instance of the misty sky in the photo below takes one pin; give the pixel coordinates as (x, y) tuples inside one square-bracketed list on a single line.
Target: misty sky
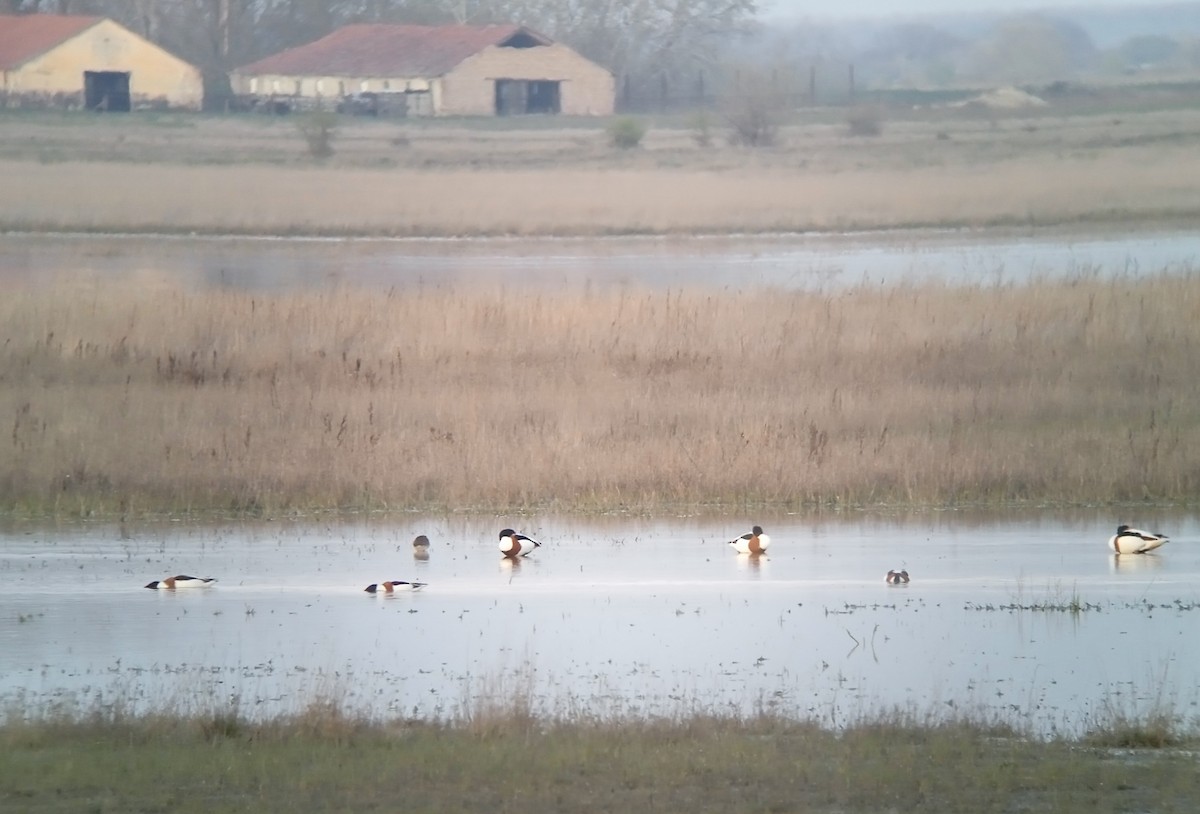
[(880, 8)]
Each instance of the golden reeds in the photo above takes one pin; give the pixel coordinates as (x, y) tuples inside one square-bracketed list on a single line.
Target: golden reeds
[(155, 398)]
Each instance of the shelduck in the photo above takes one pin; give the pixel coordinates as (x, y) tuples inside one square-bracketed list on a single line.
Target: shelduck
[(755, 542), (392, 586), (516, 545), (181, 581), (1135, 541)]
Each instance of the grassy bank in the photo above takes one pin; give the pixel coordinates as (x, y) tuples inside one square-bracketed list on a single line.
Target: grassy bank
[(251, 176), (158, 399), (323, 761)]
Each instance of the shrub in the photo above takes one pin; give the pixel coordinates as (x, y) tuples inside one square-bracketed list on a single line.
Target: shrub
[(626, 133), (865, 121), (701, 126), (318, 129), (754, 121)]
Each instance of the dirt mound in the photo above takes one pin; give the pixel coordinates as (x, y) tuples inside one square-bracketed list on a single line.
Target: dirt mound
[(1007, 98)]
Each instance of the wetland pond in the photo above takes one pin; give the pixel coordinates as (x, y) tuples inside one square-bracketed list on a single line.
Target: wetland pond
[(808, 262), (1024, 617), (1020, 616)]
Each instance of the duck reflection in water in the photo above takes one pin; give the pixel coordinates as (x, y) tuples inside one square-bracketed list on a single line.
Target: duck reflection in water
[(1143, 563), (753, 563)]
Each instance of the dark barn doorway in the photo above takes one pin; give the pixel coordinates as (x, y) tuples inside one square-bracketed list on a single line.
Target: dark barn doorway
[(106, 90), (515, 97)]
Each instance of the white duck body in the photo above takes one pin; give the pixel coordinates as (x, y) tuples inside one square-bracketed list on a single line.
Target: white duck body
[(516, 545), (392, 586), (755, 542), (181, 581), (1134, 541)]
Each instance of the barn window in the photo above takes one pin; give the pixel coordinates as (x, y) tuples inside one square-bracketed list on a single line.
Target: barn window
[(106, 90), (515, 97)]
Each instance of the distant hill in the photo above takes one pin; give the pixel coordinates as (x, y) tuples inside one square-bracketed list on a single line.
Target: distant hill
[(1108, 26), (1112, 25)]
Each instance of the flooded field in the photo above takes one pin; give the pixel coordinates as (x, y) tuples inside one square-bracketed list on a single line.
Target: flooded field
[(814, 262), (1025, 618), (1022, 617)]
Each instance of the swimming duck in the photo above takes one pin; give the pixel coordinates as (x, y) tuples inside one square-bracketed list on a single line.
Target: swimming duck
[(181, 581), (421, 547), (1134, 541), (753, 543), (392, 586), (897, 577), (516, 545)]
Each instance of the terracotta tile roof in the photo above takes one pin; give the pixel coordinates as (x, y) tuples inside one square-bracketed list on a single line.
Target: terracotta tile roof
[(25, 36), (414, 51)]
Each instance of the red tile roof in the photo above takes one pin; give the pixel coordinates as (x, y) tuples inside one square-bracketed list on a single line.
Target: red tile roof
[(25, 36), (413, 51)]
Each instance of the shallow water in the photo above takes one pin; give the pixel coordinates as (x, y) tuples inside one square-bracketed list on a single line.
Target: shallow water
[(809, 262), (611, 616)]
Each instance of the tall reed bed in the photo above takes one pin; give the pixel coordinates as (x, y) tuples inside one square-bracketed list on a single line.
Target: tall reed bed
[(150, 397)]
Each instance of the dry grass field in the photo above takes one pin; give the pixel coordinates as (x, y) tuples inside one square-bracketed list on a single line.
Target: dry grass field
[(456, 397), (553, 177)]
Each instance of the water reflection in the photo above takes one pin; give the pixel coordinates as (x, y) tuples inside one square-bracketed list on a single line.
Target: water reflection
[(810, 262), (1024, 614), (1135, 563), (753, 563)]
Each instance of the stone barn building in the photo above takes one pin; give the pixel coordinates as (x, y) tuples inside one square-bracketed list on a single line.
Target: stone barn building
[(72, 61), (453, 70)]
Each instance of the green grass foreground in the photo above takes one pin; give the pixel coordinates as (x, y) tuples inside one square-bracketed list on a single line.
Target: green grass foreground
[(326, 762)]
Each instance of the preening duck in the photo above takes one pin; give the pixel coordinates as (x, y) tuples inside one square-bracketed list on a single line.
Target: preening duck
[(753, 543), (897, 577), (516, 545), (181, 581), (1134, 541), (392, 586)]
